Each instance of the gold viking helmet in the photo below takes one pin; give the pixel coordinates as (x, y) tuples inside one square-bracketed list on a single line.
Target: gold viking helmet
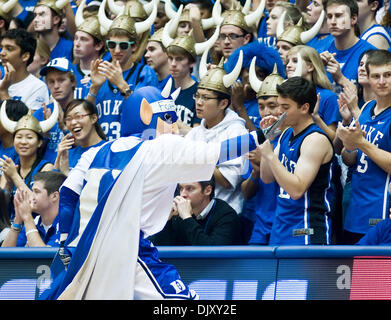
[(217, 79), (91, 26), (6, 8), (28, 121), (185, 16), (267, 87), (125, 22), (187, 42), (56, 5), (296, 34), (240, 17), (132, 7), (157, 36)]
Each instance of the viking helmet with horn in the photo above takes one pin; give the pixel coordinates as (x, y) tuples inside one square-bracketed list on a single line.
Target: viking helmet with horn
[(206, 23), (6, 8), (267, 87), (28, 121), (217, 79), (134, 8), (56, 5), (240, 17), (297, 34), (126, 22), (187, 41)]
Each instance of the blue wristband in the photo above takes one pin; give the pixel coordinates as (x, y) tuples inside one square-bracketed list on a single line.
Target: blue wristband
[(17, 226)]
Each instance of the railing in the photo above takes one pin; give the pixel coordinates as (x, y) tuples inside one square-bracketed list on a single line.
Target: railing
[(237, 272)]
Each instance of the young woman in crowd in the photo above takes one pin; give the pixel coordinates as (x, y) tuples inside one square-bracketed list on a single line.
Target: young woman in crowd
[(81, 119)]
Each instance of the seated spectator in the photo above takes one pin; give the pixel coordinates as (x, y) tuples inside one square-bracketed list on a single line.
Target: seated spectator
[(18, 49), (198, 219), (81, 119), (4, 215), (44, 229)]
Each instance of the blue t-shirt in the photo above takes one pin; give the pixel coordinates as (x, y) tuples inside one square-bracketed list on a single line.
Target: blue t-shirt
[(369, 200), (320, 45), (9, 152), (63, 49), (83, 83), (252, 109), (185, 105), (75, 153), (328, 107), (349, 59), (262, 208)]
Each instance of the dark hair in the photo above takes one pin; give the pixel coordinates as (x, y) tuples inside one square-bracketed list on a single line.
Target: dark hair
[(212, 183), (90, 108), (351, 4), (175, 50), (117, 32), (378, 58), (222, 96), (16, 109), (52, 180), (25, 40), (299, 90)]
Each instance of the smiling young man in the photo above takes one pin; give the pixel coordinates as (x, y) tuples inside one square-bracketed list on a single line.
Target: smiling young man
[(60, 79), (18, 47), (300, 165), (368, 148)]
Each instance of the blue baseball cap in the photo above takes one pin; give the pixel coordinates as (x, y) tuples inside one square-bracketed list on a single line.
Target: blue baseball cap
[(61, 64)]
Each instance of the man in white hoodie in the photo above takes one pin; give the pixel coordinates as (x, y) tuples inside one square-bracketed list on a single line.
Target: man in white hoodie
[(218, 123)]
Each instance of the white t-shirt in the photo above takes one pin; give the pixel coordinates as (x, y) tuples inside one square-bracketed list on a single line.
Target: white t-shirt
[(32, 91)]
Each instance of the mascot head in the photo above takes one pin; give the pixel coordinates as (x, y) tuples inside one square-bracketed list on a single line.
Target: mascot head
[(149, 112)]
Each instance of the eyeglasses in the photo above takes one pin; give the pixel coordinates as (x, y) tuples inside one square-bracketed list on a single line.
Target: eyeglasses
[(231, 36), (203, 98), (123, 45), (76, 117)]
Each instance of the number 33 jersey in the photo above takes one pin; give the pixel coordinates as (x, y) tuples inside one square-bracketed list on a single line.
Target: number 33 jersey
[(369, 197)]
